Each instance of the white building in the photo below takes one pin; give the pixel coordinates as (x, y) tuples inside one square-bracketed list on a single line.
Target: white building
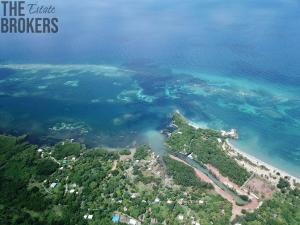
[(52, 185), (88, 217), (180, 217), (169, 201), (133, 222)]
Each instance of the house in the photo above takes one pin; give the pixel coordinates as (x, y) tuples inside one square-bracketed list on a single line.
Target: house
[(141, 217), (133, 222), (169, 201), (153, 221), (195, 223), (134, 195), (53, 185), (190, 156), (180, 217), (122, 218), (88, 217)]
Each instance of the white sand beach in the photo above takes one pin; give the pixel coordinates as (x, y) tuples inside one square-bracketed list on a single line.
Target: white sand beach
[(259, 167), (253, 164)]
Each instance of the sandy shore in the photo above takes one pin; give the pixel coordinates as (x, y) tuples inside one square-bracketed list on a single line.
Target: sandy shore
[(257, 166), (260, 167)]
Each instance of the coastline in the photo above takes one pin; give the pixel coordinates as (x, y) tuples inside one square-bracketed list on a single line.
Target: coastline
[(254, 164), (261, 168)]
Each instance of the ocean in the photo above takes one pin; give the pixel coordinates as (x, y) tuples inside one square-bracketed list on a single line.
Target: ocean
[(117, 70)]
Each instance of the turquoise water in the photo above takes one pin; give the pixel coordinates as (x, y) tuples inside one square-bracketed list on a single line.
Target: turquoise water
[(117, 70), (117, 106)]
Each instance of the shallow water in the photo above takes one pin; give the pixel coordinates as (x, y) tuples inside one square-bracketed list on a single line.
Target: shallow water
[(223, 64), (117, 106)]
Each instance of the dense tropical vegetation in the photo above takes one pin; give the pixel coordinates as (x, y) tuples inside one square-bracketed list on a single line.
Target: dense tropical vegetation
[(281, 209), (183, 174), (38, 188), (141, 152), (203, 143), (64, 183)]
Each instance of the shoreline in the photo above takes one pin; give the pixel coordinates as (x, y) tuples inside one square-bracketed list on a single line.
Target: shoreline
[(261, 166), (256, 165)]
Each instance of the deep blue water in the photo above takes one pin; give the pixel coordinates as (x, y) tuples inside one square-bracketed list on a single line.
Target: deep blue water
[(224, 64)]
